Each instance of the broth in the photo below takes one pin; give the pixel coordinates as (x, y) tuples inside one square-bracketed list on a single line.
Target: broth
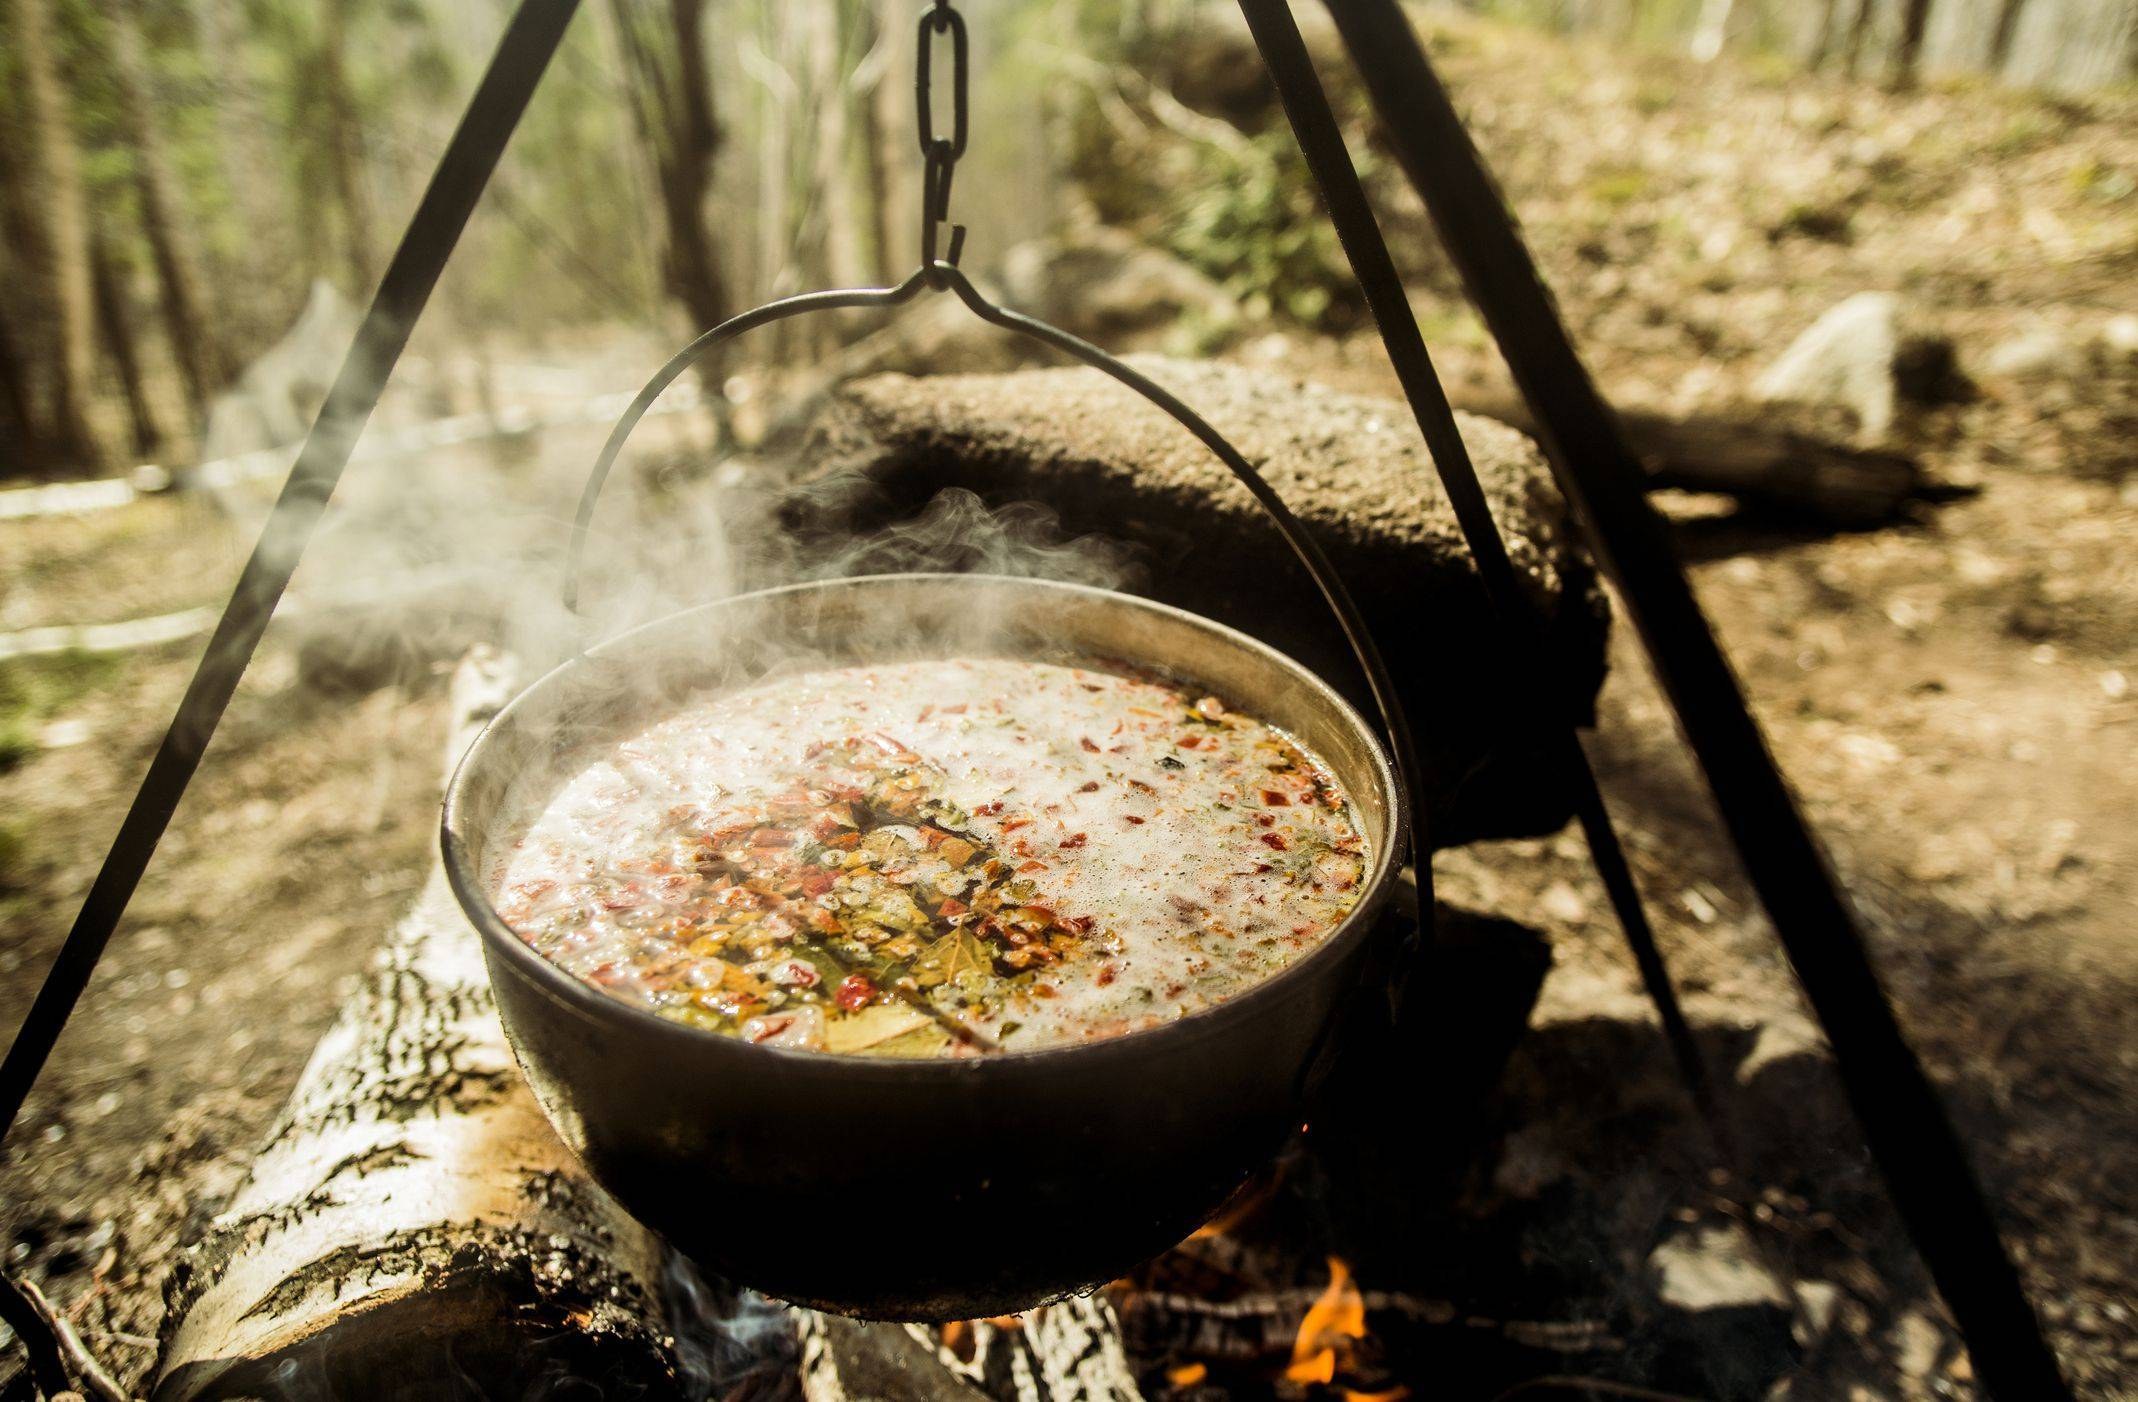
[(938, 858)]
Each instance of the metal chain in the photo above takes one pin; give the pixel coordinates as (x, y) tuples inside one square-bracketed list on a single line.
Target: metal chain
[(941, 153)]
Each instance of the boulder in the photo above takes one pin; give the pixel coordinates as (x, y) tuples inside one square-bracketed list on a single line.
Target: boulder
[(1728, 1327), (1353, 468), (1106, 285), (1867, 355)]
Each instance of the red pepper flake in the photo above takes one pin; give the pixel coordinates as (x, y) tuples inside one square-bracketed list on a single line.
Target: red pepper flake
[(957, 710), (1276, 840), (1080, 923), (951, 906), (989, 810), (1132, 819), (1140, 787), (1088, 743), (1265, 820), (1107, 975), (1091, 787), (854, 992), (1033, 865), (1275, 799), (1075, 840), (1012, 824), (815, 882)]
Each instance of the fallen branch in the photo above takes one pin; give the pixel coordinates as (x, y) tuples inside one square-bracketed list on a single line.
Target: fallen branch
[(1776, 469)]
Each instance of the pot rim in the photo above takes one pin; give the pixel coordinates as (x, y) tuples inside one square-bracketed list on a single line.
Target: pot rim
[(577, 995)]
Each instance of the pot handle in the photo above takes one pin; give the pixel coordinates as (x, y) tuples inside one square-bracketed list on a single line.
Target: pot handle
[(945, 276)]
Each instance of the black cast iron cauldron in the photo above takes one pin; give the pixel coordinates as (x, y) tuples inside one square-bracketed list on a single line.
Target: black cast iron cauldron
[(913, 1189)]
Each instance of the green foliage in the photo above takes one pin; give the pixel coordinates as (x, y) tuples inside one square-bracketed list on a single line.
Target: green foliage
[(14, 853), (35, 689), (1247, 216)]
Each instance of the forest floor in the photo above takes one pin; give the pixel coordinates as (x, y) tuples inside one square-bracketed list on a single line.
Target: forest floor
[(1956, 697)]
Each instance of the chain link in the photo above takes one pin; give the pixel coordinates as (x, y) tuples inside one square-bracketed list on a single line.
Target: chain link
[(940, 153)]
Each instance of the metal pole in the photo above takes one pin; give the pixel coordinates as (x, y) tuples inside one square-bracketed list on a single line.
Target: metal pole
[(1915, 1146), (523, 53), (1531, 685)]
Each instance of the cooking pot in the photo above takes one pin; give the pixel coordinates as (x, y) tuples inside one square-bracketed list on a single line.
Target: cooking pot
[(914, 1189)]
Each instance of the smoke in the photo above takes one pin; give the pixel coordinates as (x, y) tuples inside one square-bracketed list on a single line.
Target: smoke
[(730, 1342)]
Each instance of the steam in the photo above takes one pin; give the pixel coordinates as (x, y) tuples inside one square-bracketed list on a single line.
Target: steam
[(422, 557)]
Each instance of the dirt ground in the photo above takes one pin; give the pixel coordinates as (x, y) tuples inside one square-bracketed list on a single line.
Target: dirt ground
[(1953, 697)]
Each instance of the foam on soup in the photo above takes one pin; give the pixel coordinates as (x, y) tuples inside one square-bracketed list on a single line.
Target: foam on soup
[(938, 858)]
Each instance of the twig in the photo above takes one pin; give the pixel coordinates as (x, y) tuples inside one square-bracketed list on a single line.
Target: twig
[(58, 1358)]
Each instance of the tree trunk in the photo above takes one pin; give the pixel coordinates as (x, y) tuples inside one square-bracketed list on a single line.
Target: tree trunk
[(2000, 49), (194, 347), (413, 1216), (53, 178), (672, 104), (115, 319), (1908, 48), (868, 93), (18, 421), (1712, 31), (345, 146), (1859, 31)]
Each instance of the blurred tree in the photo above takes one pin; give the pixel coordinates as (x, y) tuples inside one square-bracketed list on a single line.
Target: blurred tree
[(671, 99), (195, 348), (19, 445), (2007, 25), (344, 140), (115, 321), (50, 192)]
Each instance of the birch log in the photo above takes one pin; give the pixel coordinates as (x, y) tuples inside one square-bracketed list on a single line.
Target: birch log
[(1066, 1352), (412, 1222)]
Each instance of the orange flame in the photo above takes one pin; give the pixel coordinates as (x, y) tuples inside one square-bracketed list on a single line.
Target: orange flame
[(1332, 1322)]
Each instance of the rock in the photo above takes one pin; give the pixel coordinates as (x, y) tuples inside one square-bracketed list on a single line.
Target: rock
[(1098, 283), (1918, 1344), (1715, 1267), (2119, 336), (1782, 1036), (1106, 285), (2043, 351), (1730, 1335), (1866, 355), (1817, 1303), (1353, 468)]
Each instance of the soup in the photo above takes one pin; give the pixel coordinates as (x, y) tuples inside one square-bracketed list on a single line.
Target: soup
[(938, 858)]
